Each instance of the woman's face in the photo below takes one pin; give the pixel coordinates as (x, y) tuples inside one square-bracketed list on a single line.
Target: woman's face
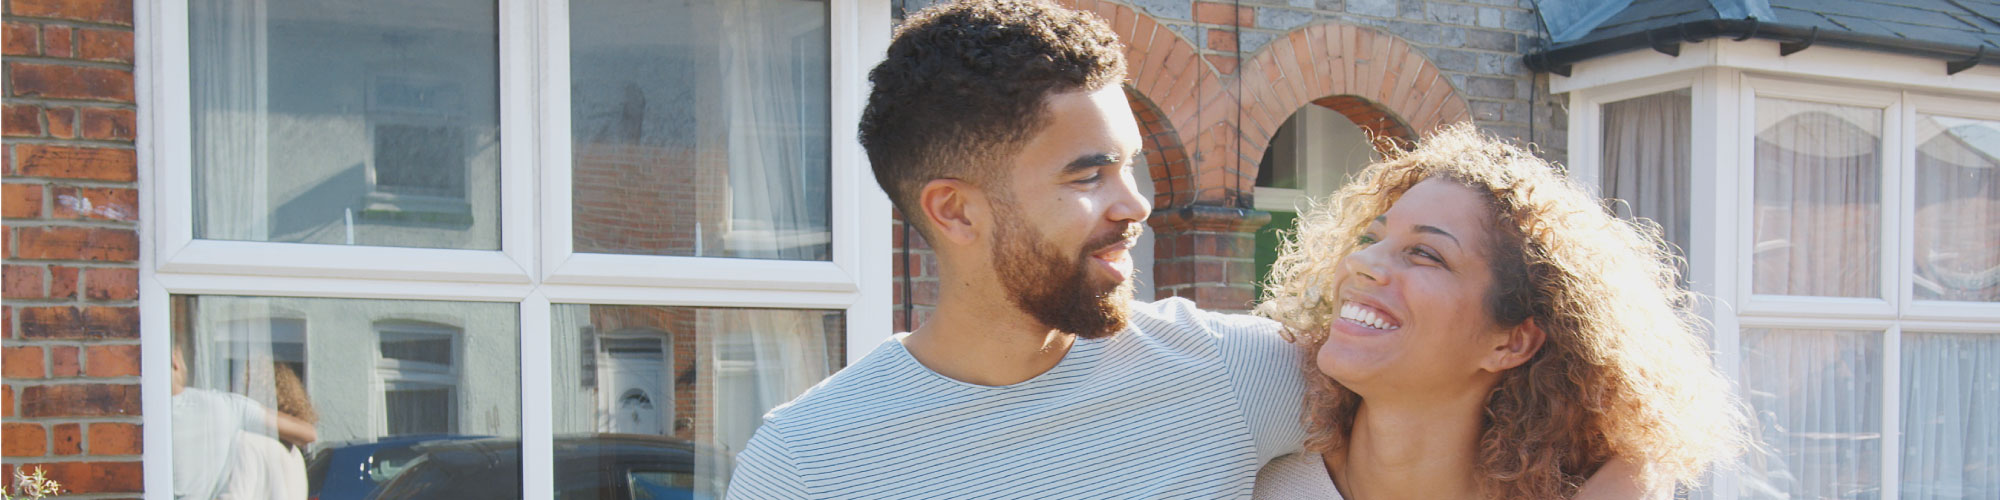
[(1414, 319)]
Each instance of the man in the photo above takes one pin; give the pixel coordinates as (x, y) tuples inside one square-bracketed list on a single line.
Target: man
[(1000, 130)]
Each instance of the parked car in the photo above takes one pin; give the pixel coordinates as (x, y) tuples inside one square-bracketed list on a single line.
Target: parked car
[(587, 467), (352, 471)]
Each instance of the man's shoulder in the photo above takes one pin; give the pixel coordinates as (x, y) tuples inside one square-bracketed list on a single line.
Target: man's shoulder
[(860, 384), (1180, 317)]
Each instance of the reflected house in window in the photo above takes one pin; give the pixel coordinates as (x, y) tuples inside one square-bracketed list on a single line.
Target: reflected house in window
[(1964, 156), (725, 129)]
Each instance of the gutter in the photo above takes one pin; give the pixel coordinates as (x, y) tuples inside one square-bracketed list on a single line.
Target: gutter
[(1792, 38)]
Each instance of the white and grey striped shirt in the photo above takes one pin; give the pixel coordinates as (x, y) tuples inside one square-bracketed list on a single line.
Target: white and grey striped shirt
[(1183, 404)]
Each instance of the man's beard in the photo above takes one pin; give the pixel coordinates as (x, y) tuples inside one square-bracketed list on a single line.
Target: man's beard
[(1057, 291)]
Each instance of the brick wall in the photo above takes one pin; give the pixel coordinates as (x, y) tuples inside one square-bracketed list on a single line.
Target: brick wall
[(71, 326)]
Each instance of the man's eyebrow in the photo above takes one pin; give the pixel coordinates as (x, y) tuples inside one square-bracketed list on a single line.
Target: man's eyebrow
[(1092, 161)]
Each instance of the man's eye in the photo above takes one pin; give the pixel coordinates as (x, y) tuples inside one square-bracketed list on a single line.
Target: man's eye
[(1092, 178)]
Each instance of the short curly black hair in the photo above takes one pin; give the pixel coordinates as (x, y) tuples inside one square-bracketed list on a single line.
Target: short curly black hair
[(964, 84)]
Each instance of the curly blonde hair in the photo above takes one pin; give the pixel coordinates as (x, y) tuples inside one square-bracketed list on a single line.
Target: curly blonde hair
[(1624, 371)]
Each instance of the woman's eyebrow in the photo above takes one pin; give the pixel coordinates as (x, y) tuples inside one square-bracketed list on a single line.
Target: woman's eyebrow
[(1384, 220)]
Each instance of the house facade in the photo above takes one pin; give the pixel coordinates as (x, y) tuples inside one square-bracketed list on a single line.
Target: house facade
[(527, 222)]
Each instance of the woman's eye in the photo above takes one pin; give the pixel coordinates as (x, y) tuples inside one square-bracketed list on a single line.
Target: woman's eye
[(1426, 254), (1365, 240)]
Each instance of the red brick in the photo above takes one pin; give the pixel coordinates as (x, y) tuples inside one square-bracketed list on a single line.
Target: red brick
[(68, 439), (70, 162), (22, 120), (116, 439), (22, 39), (115, 204), (22, 200), (105, 45), (62, 282), (56, 41), (1224, 14), (70, 323), (80, 400), (22, 362), (100, 11), (23, 281), (70, 82), (77, 243), (111, 284), (97, 477), (62, 122), (112, 360), (1222, 40), (107, 124), (24, 440), (63, 361), (6, 404), (1223, 64)]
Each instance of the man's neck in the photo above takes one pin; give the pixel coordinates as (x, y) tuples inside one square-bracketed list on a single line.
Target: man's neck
[(986, 342), (1410, 452)]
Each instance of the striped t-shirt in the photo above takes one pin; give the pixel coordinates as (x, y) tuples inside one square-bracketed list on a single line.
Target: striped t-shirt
[(1183, 404)]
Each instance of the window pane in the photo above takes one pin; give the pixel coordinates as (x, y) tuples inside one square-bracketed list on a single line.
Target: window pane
[(1819, 200), (1958, 209), (1818, 399), (269, 382), (1647, 160), (679, 390), (701, 129), (325, 122), (1951, 415)]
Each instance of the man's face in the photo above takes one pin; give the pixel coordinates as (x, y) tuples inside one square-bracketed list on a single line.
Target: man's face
[(1064, 233)]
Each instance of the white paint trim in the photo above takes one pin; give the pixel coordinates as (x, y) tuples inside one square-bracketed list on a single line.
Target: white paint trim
[(1853, 66), (1892, 412), (535, 266), (1270, 199)]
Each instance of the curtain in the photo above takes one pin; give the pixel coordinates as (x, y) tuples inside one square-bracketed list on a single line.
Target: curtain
[(758, 359), (1819, 406), (573, 363), (1958, 210), (1817, 221), (230, 105), (1647, 160), (1951, 416), (774, 91)]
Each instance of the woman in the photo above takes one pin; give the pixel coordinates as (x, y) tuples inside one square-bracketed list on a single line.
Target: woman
[(1480, 327)]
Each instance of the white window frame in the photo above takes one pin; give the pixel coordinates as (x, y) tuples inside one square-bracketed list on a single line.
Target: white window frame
[(535, 266), (1725, 78)]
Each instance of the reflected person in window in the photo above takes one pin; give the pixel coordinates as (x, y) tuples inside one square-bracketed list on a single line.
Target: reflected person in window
[(1483, 328), (211, 428)]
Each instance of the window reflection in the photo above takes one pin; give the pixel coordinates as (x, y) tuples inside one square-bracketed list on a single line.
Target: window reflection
[(294, 398), (668, 395)]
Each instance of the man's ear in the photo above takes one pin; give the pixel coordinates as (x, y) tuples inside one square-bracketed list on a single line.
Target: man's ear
[(1518, 345), (956, 209)]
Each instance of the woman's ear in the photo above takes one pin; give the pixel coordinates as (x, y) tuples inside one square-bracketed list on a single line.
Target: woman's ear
[(1517, 347), (954, 208)]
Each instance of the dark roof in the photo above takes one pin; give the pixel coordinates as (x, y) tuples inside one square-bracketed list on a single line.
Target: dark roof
[(1943, 29)]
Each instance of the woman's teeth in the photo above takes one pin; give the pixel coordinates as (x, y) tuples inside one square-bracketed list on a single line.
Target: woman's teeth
[(1353, 312)]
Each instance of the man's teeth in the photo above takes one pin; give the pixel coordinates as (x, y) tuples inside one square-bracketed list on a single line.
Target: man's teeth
[(1362, 315)]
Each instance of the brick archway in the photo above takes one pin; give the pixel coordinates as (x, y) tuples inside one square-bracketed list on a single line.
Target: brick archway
[(1376, 79)]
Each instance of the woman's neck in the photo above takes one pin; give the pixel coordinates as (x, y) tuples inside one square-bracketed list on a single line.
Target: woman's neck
[(1410, 452)]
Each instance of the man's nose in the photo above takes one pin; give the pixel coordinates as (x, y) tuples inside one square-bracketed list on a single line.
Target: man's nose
[(1130, 205)]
